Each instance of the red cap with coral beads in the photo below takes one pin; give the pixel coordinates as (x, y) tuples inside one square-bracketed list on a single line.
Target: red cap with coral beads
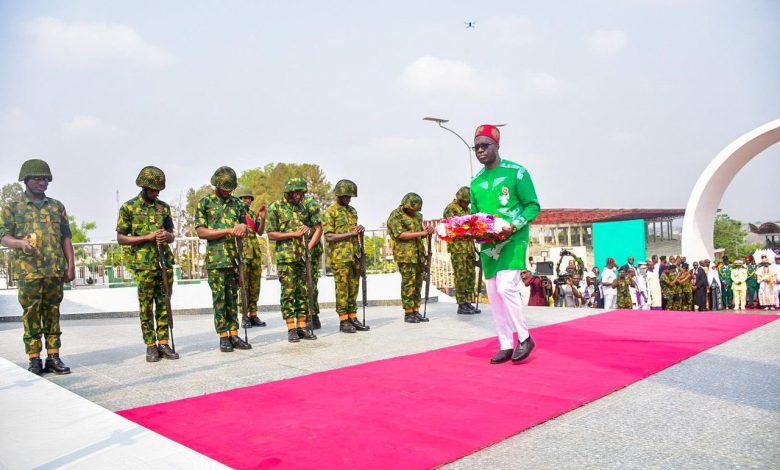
[(488, 130)]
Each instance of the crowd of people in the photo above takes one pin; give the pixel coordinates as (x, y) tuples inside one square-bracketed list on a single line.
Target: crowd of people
[(660, 284)]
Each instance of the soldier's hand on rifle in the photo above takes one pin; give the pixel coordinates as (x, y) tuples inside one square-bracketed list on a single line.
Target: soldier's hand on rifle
[(261, 211), (239, 230), (303, 230), (26, 246), (429, 230), (359, 229), (161, 236)]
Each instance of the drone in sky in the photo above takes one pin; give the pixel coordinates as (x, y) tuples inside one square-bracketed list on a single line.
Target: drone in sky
[(470, 24)]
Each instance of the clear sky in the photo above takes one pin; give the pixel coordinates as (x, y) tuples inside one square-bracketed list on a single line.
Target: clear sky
[(608, 104)]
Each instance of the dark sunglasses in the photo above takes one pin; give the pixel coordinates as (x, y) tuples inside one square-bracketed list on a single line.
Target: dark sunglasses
[(482, 146)]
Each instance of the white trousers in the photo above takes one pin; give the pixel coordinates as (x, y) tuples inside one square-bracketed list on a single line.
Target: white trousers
[(610, 300), (507, 304)]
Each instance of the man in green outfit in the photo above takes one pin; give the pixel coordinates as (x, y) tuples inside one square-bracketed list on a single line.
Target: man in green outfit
[(462, 255), (504, 189), (312, 219), (36, 228), (405, 227), (286, 226), (218, 218), (144, 223), (253, 254), (341, 229)]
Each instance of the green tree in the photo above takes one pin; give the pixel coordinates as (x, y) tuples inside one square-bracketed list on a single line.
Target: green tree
[(10, 192), (267, 183), (193, 198), (729, 235)]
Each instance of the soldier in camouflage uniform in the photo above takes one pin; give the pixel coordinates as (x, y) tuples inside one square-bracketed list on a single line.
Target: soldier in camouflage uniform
[(669, 288), (341, 232), (286, 226), (405, 227), (462, 255), (624, 290), (36, 227), (218, 218), (253, 255), (144, 223), (313, 220)]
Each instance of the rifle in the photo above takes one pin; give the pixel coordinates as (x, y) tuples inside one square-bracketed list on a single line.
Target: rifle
[(479, 281), (309, 285), (242, 285), (166, 288), (363, 280), (427, 274)]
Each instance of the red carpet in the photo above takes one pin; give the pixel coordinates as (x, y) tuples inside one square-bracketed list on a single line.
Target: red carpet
[(427, 409)]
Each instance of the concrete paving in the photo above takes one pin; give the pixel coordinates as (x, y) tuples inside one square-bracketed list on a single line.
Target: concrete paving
[(720, 409)]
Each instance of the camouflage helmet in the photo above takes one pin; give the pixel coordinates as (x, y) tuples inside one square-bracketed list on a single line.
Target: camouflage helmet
[(151, 177), (345, 188), (224, 178), (34, 167), (463, 194), (412, 201), (296, 184), (243, 191)]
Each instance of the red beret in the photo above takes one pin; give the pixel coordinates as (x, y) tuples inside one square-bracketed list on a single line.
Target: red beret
[(488, 130)]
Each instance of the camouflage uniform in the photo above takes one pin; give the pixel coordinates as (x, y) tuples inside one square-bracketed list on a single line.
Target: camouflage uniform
[(343, 257), (462, 257), (409, 255), (215, 213), (286, 217), (137, 218), (253, 255), (39, 274), (670, 290), (312, 218), (624, 293)]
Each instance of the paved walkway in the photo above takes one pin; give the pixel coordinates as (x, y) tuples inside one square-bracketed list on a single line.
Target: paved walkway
[(720, 409)]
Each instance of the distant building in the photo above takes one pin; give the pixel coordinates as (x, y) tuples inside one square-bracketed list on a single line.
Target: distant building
[(771, 233)]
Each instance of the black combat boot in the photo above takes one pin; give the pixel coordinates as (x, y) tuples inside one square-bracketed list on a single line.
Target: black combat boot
[(55, 364), (466, 309), (224, 344), (347, 327), (246, 323), (315, 322), (421, 318), (36, 366), (167, 352), (523, 349), (411, 318), (502, 356), (255, 321), (292, 336), (359, 326), (306, 333), (152, 353), (239, 343)]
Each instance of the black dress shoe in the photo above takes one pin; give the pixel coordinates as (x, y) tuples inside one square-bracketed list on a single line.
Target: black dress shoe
[(55, 364), (254, 320), (167, 352), (224, 344), (523, 349), (36, 366), (466, 309), (315, 322), (239, 343), (411, 318), (421, 318), (359, 326), (292, 336), (306, 333), (347, 327), (502, 356)]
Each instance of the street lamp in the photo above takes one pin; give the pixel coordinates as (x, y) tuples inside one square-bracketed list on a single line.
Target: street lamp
[(440, 122)]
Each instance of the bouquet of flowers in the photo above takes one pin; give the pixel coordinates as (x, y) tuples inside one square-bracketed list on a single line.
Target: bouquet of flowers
[(480, 227)]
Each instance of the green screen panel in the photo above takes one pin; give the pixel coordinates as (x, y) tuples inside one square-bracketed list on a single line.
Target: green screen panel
[(619, 240)]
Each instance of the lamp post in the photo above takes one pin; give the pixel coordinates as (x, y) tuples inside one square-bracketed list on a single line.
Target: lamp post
[(440, 122)]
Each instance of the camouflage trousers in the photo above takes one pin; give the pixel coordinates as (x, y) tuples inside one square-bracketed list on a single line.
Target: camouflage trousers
[(292, 277), (316, 262), (347, 279), (224, 296), (464, 274), (151, 301), (253, 275), (624, 299), (411, 284), (40, 300)]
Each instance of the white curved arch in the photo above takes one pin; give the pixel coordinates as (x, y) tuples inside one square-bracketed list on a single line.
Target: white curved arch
[(706, 195)]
